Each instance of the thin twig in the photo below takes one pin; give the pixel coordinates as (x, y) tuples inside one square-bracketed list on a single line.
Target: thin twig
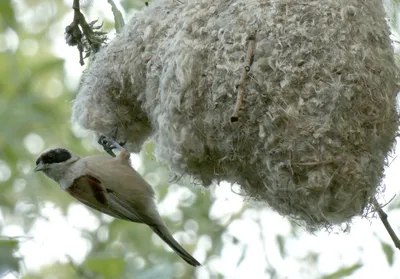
[(316, 163), (176, 178), (384, 218), (246, 69), (87, 38)]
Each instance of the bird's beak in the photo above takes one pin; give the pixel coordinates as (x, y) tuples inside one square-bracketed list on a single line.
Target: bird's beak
[(39, 167)]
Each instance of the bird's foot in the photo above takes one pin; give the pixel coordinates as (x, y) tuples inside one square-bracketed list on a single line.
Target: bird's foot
[(110, 144)]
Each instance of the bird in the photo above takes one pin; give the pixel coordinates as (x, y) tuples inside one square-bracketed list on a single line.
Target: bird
[(110, 185)]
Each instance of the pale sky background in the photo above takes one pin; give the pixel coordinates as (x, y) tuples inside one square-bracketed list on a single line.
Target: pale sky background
[(55, 238)]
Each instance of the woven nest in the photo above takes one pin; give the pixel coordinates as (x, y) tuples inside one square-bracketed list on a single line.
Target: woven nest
[(318, 117)]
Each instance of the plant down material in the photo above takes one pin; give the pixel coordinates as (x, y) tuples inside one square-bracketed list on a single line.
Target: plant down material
[(318, 117)]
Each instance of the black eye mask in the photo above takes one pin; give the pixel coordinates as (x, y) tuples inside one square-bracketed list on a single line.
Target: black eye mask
[(54, 156)]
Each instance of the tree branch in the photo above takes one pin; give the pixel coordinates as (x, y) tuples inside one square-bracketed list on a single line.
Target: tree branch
[(246, 69), (384, 218)]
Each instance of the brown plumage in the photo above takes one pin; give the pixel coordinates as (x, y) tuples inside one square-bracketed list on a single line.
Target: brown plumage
[(109, 185)]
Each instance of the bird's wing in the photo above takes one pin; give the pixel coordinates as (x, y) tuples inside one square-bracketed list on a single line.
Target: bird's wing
[(91, 191), (117, 175)]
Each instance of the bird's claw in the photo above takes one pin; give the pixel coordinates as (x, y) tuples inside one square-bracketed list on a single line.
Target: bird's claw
[(107, 145), (110, 145)]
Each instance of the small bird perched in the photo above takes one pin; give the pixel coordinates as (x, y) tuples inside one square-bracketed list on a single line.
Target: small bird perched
[(109, 185)]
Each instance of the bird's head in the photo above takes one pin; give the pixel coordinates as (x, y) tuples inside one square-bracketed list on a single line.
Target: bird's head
[(55, 162)]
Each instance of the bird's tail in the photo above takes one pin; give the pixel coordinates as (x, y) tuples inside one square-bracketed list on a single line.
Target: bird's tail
[(162, 231)]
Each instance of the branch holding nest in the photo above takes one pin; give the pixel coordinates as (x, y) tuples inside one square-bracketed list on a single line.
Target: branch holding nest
[(246, 70), (384, 218), (84, 35)]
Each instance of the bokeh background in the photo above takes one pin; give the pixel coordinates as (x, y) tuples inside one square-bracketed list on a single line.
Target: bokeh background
[(44, 233)]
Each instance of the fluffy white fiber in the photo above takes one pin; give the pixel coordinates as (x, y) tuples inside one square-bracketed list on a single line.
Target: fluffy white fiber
[(318, 117)]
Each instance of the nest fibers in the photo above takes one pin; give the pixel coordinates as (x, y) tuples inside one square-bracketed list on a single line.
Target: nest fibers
[(318, 116)]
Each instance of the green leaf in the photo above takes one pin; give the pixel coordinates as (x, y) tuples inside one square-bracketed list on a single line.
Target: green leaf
[(242, 256), (281, 244), (160, 271), (388, 250), (7, 14), (118, 18), (109, 268), (344, 272), (9, 243), (8, 262), (60, 271)]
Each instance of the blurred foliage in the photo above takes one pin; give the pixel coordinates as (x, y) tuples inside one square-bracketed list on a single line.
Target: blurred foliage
[(118, 18), (389, 252), (344, 272), (392, 8), (8, 261), (35, 107)]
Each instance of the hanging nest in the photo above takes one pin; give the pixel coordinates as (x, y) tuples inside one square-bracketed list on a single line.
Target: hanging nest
[(318, 116)]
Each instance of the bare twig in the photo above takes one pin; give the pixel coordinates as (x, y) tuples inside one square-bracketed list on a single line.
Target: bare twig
[(384, 218), (246, 69), (84, 35), (338, 159), (176, 178)]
